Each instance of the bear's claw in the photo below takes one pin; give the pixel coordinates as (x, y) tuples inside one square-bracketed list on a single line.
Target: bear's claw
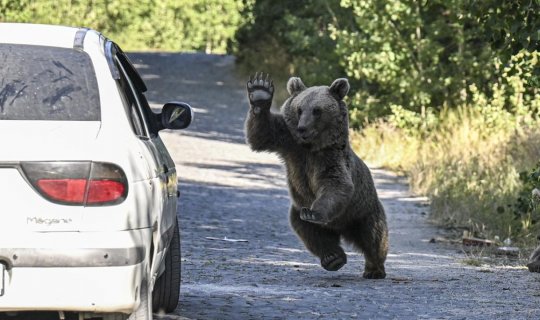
[(333, 261), (258, 81), (309, 215)]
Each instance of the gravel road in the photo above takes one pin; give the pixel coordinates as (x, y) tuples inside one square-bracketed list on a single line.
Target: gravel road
[(241, 260)]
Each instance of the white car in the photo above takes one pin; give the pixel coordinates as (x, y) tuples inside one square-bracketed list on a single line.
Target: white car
[(88, 191)]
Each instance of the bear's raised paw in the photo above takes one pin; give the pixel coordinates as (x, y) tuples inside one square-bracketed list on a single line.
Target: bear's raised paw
[(260, 91)]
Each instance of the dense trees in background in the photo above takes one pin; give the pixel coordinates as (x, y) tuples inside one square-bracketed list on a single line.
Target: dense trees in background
[(293, 38), (172, 25), (400, 54)]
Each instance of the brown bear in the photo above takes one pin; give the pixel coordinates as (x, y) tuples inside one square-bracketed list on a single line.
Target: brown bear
[(332, 192)]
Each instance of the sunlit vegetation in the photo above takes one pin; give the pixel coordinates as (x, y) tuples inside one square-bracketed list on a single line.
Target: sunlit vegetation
[(171, 25)]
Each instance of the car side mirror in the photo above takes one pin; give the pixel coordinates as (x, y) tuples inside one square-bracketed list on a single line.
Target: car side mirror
[(175, 115)]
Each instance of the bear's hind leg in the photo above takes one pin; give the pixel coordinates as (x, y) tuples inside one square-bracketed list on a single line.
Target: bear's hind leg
[(372, 239), (322, 242)]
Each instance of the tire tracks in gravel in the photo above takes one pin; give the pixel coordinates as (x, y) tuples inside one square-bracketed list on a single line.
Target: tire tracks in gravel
[(230, 193)]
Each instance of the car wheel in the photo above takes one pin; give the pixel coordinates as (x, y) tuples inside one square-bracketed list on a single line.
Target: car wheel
[(167, 288)]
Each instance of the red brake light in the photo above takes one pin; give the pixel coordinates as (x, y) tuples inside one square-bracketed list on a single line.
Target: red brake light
[(65, 190), (101, 191), (78, 183)]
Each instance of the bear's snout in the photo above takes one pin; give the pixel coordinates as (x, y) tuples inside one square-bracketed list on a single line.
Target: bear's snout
[(303, 133)]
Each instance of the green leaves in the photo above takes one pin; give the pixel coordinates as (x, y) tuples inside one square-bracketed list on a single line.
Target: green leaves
[(509, 26), (171, 25), (418, 55), (293, 38)]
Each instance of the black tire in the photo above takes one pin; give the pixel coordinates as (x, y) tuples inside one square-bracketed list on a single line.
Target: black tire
[(167, 288)]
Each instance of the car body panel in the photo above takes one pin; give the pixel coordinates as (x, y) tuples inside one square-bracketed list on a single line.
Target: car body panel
[(97, 289)]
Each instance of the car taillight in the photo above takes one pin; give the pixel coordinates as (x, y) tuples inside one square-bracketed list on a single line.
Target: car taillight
[(102, 191), (63, 190), (81, 183)]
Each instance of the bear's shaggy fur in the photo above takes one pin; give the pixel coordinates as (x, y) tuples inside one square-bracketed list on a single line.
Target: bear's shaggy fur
[(331, 189)]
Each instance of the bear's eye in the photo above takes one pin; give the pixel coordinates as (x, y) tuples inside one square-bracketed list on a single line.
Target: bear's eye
[(299, 112), (317, 112)]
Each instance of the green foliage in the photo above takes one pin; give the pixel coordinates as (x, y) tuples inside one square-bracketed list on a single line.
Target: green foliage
[(422, 56), (509, 26), (415, 54), (412, 122), (172, 25), (293, 38)]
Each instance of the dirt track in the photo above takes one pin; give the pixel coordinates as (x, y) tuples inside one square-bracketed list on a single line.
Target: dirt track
[(240, 259)]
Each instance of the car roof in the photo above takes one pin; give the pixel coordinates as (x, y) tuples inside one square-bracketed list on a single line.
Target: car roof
[(44, 35)]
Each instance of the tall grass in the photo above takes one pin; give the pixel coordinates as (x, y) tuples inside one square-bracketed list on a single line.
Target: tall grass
[(467, 162)]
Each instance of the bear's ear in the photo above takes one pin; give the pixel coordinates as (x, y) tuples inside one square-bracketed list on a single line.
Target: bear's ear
[(295, 85), (339, 88)]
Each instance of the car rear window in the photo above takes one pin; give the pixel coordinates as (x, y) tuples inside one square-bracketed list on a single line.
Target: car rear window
[(47, 83)]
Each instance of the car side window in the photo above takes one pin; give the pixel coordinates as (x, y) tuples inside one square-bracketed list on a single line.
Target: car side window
[(142, 117), (130, 105)]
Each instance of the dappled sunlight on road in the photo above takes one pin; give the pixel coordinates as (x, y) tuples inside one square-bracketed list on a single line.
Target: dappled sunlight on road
[(229, 164), (273, 262), (262, 292)]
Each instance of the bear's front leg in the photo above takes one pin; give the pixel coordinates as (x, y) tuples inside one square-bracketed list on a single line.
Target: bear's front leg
[(309, 215), (265, 131), (333, 196)]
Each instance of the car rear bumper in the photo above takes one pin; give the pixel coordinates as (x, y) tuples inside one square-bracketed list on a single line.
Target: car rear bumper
[(100, 289), (84, 271), (68, 258)]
